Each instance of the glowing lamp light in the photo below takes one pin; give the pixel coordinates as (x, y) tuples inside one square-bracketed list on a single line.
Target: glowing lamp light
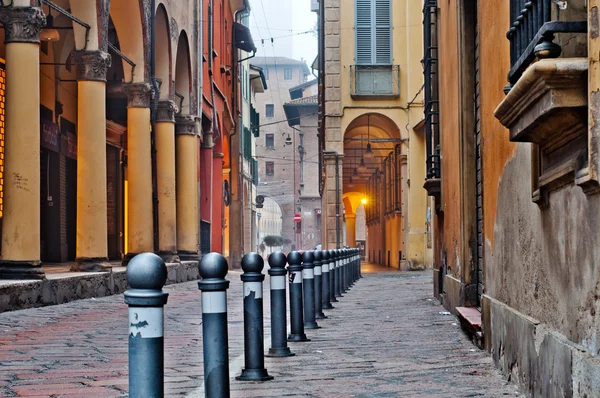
[(363, 201)]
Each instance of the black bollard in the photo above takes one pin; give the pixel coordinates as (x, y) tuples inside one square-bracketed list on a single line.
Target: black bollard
[(213, 269), (343, 271), (294, 260), (146, 274), (325, 297), (332, 275), (354, 258), (338, 273), (318, 254), (277, 271), (308, 289), (254, 345)]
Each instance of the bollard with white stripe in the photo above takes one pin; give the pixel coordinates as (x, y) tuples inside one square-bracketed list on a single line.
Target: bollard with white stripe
[(343, 270), (318, 254), (294, 260), (213, 269), (325, 297), (308, 290), (146, 274), (277, 271), (332, 275), (254, 351)]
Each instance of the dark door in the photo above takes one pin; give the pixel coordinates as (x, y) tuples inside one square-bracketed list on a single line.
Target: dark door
[(113, 194)]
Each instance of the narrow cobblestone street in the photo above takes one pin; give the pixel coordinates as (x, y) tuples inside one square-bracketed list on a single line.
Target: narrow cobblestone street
[(386, 337)]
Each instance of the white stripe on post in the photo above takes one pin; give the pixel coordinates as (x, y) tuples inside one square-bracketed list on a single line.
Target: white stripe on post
[(278, 282), (214, 302), (146, 321)]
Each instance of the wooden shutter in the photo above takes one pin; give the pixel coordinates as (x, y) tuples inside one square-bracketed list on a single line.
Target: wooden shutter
[(373, 22), (364, 32)]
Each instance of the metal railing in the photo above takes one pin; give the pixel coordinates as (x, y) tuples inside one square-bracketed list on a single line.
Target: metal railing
[(375, 80), (532, 31), (431, 91), (434, 164)]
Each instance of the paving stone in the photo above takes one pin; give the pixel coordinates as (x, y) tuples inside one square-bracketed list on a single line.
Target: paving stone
[(385, 338)]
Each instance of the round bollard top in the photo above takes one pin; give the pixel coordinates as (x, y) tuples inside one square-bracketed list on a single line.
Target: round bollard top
[(325, 256), (146, 275), (318, 256), (252, 265), (308, 257), (146, 271), (277, 262), (213, 269), (294, 260)]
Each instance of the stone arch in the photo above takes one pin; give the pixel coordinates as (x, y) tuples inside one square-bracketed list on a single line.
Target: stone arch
[(126, 16), (183, 77), (163, 52)]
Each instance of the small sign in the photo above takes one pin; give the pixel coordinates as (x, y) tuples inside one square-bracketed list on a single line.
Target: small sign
[(297, 217), (71, 146), (49, 137)]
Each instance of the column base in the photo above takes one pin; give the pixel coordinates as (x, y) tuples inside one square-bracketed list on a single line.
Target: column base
[(254, 375), (320, 316), (169, 256), (298, 337), (334, 300), (186, 255), (95, 264), (311, 325), (21, 270), (280, 352), (328, 306)]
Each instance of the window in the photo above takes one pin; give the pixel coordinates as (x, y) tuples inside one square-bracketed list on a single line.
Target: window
[(270, 141), (373, 32), (270, 110), (270, 169), (287, 73)]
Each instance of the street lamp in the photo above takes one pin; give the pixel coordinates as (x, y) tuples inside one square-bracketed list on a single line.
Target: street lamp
[(369, 152)]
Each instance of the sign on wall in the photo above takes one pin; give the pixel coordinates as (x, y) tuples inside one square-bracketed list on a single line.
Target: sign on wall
[(49, 138)]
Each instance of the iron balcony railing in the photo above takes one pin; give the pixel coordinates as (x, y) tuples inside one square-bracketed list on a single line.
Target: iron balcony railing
[(533, 26), (431, 91), (375, 80)]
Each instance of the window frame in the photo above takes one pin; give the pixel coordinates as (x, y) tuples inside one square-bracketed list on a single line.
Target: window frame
[(272, 108), (288, 74), (270, 137), (269, 168)]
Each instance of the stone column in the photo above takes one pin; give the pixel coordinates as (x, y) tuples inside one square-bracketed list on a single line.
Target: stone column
[(351, 229), (329, 200), (139, 171), (165, 177), (92, 243), (186, 168), (404, 203), (21, 216), (206, 175)]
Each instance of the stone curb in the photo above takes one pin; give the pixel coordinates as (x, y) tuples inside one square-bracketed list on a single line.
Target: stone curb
[(34, 293)]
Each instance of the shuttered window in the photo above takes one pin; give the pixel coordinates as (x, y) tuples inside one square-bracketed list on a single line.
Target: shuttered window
[(373, 32)]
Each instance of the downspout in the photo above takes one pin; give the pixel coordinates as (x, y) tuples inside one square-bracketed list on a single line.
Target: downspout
[(153, 111), (337, 201)]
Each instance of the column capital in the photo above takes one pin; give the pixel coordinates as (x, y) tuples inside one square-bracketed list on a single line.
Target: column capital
[(350, 216), (138, 94), (92, 65), (166, 111), (22, 24), (186, 125), (330, 156)]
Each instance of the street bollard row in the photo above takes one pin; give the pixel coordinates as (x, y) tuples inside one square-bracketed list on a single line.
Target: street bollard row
[(315, 278)]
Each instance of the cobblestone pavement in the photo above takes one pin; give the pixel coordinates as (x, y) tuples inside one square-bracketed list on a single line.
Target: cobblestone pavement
[(385, 338)]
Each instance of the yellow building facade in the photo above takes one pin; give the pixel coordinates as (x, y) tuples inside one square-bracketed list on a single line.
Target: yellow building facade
[(372, 132), (96, 114)]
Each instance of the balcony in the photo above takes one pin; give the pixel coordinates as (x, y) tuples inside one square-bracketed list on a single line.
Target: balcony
[(374, 81), (547, 96)]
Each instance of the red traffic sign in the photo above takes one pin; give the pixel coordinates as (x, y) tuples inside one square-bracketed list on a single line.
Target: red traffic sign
[(297, 217)]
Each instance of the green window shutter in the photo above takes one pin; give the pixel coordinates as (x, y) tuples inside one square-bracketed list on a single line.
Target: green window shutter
[(255, 171), (247, 144), (373, 37)]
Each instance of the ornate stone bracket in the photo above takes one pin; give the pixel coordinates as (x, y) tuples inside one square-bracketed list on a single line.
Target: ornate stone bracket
[(185, 125), (92, 65), (22, 24), (166, 111), (138, 95), (548, 107)]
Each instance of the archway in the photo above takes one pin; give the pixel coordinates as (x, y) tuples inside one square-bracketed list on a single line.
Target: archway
[(162, 52), (183, 78), (270, 223), (373, 147)]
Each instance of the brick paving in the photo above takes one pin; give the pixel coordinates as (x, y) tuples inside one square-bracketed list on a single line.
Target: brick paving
[(385, 338)]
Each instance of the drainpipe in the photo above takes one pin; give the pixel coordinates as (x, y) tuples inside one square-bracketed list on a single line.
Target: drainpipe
[(337, 201), (153, 111)]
